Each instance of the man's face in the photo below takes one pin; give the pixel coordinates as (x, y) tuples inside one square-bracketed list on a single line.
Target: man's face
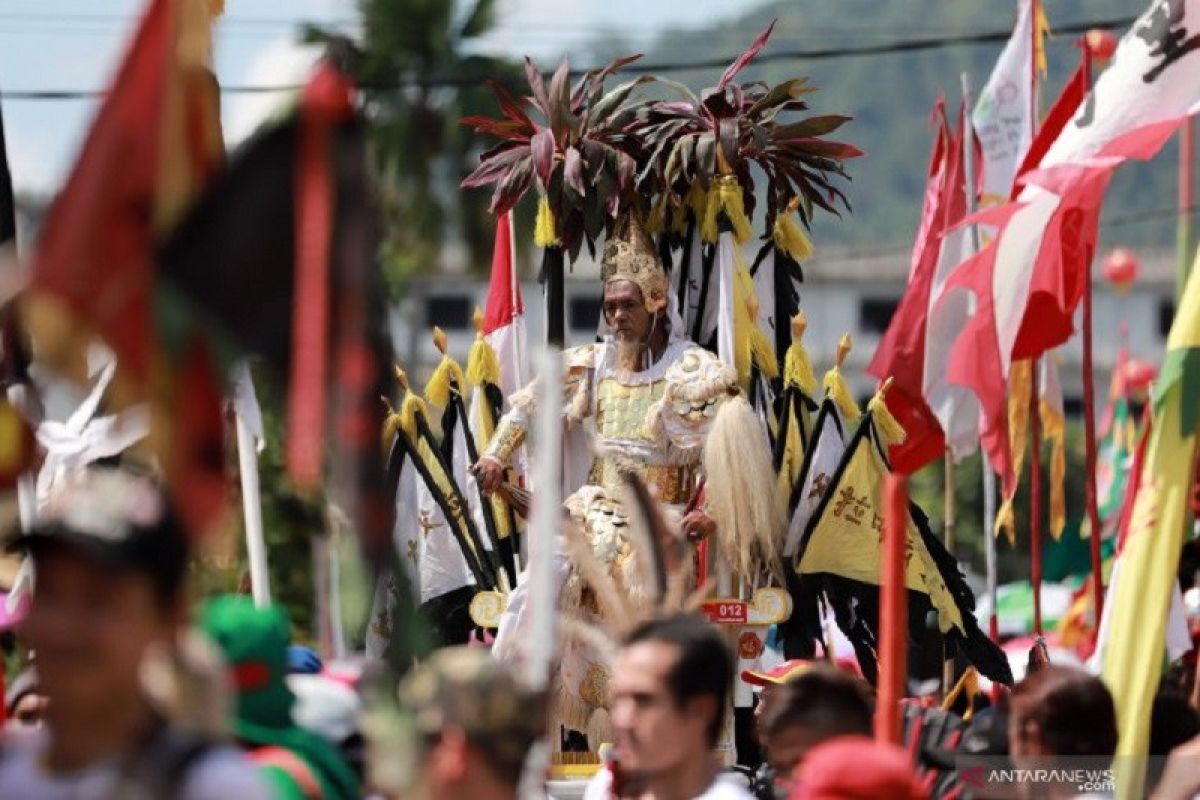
[(625, 311), (653, 734), (767, 696), (90, 627), (787, 747)]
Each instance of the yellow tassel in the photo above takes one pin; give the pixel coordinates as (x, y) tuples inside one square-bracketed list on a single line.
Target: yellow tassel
[(1006, 521), (1020, 381), (216, 8), (544, 232), (657, 220), (969, 683), (391, 426), (725, 197), (412, 405), (437, 390), (763, 354), (791, 238), (889, 430), (797, 367), (482, 364), (1041, 28), (1054, 427), (836, 387)]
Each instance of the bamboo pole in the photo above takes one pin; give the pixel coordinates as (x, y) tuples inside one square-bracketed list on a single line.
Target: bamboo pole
[(1035, 497), (948, 535)]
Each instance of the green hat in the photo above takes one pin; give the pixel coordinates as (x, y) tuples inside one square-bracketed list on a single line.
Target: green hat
[(468, 689), (254, 643)]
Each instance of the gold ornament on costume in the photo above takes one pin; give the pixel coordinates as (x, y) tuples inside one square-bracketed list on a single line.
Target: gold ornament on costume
[(630, 255)]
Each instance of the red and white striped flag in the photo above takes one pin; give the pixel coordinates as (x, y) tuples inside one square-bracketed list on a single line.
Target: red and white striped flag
[(1028, 281), (504, 314)]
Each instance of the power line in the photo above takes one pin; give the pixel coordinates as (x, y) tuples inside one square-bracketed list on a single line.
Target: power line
[(1124, 220), (821, 54)]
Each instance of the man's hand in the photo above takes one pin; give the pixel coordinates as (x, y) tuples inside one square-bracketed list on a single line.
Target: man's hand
[(697, 526), (489, 473)]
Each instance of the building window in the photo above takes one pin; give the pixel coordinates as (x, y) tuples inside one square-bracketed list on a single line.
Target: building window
[(875, 314), (1166, 315), (449, 311), (584, 313)]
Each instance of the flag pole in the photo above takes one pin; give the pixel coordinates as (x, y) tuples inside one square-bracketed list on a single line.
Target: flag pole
[(256, 546), (1035, 496), (989, 477), (893, 611), (544, 526), (948, 532), (1187, 202), (1089, 406)]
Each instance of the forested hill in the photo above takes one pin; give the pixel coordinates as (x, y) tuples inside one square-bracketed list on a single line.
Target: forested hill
[(890, 97)]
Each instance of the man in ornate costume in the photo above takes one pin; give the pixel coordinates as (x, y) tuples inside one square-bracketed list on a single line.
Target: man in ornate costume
[(648, 399)]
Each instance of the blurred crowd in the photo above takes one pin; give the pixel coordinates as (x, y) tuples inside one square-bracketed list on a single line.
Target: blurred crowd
[(130, 689)]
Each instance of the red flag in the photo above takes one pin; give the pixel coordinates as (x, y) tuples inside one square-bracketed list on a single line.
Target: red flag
[(504, 315), (94, 259), (901, 351), (327, 100), (504, 293), (975, 358), (1057, 117), (155, 141)]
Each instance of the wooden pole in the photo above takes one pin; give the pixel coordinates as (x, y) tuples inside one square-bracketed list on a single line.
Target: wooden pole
[(1089, 410), (893, 611), (1035, 496), (948, 535), (989, 477)]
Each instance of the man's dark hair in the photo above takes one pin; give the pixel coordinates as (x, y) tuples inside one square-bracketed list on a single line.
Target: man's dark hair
[(705, 663), (1073, 711), (823, 700)]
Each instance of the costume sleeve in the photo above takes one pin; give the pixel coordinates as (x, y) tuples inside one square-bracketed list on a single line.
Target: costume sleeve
[(697, 384), (514, 425)]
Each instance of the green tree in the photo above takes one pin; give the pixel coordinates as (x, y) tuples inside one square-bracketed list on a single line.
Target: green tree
[(421, 150)]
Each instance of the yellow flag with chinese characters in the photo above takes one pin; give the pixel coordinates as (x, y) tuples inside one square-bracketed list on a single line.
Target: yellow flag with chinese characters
[(844, 537)]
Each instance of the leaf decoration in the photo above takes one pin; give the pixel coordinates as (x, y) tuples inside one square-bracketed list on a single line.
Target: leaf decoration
[(594, 154), (575, 145), (745, 58)]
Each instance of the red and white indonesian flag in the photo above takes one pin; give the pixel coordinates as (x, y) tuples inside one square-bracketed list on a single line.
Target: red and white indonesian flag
[(1154, 80), (504, 315), (1003, 115), (1029, 280)]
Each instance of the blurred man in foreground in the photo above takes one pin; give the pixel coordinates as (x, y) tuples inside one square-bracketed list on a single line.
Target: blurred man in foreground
[(670, 691), (110, 560), (464, 732), (818, 704)]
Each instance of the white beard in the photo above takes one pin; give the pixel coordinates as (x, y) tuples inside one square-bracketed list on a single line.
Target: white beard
[(629, 353)]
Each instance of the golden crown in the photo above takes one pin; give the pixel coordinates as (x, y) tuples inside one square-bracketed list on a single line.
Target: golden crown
[(630, 255)]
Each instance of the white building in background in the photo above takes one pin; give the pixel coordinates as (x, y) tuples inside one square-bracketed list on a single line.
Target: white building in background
[(851, 291)]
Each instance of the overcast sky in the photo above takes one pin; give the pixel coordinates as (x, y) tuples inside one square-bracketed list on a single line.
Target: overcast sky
[(75, 44)]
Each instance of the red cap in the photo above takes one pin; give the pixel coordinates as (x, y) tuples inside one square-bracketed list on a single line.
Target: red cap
[(778, 675), (790, 669), (853, 767)]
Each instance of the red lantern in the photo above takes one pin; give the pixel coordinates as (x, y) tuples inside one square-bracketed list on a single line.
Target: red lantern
[(1101, 44), (1121, 268)]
